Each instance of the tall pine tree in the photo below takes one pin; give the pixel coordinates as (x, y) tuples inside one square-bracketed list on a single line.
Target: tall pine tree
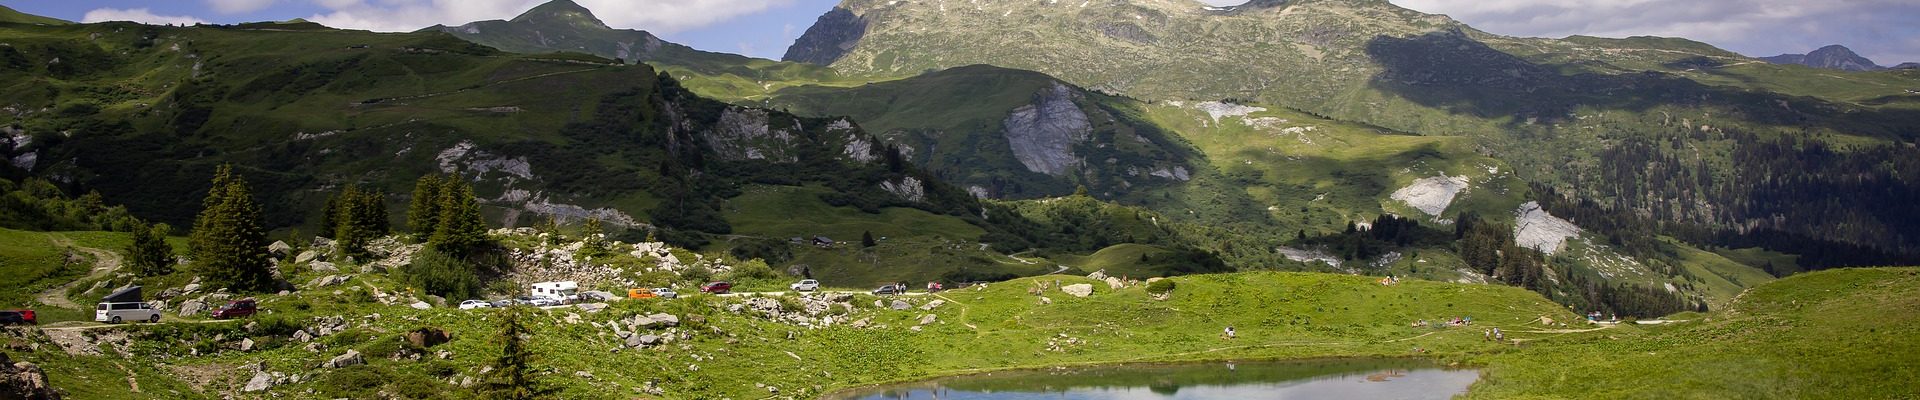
[(459, 231), (360, 217), (423, 210), (229, 246), (513, 377)]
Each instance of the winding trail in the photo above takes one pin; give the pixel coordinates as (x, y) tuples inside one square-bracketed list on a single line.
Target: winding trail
[(104, 262)]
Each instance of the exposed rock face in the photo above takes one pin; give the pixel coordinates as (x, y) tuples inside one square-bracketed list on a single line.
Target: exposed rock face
[(1217, 110), (1534, 228), (1432, 195), (1043, 134), (909, 189), (428, 337), (1307, 256), (745, 134), (830, 38), (1830, 57)]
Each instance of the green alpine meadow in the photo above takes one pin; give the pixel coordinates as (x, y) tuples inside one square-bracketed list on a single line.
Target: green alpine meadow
[(983, 199)]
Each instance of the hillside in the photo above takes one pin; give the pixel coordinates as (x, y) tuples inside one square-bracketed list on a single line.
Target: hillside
[(307, 111), (1571, 113), (1820, 335)]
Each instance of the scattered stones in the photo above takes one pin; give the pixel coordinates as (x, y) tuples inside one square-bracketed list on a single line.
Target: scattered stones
[(302, 336), (1100, 275), (329, 280), (1078, 289), (351, 358), (23, 380), (591, 307), (863, 322)]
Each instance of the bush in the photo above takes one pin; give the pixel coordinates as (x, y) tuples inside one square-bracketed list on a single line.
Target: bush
[(1160, 286), (439, 274), (753, 269)]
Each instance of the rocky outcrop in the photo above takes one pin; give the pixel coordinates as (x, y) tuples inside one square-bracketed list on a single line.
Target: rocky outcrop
[(835, 33), (1534, 228), (1432, 195), (1043, 134), (747, 134), (908, 188), (1218, 110), (24, 380)]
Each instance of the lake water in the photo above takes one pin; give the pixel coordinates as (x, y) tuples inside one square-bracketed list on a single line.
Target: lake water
[(1383, 379)]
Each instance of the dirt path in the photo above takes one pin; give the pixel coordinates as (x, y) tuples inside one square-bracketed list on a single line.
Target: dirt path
[(104, 262)]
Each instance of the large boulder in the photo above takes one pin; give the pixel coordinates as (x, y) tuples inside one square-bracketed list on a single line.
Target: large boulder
[(261, 381), (279, 249), (351, 358), (192, 308), (24, 380), (323, 266), (901, 305), (933, 304), (428, 337), (1078, 289), (306, 256), (329, 280), (1115, 283)]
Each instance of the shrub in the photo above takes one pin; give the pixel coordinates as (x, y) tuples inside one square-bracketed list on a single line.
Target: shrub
[(442, 275), (1160, 286)]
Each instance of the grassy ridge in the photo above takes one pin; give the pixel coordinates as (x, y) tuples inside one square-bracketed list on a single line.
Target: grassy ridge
[(1839, 334)]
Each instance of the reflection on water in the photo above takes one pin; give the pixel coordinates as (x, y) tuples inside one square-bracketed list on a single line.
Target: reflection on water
[(1320, 379)]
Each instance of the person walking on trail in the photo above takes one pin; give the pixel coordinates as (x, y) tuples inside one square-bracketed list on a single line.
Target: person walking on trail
[(1228, 334)]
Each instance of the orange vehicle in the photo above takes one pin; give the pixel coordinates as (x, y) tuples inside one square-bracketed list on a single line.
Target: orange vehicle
[(641, 294)]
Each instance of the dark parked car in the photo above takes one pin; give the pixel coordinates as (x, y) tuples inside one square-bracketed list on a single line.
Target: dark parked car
[(18, 317), (891, 289), (235, 309), (717, 287)]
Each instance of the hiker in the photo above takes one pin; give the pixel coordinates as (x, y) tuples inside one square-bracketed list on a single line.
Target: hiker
[(1498, 335), (1486, 335), (1228, 334)]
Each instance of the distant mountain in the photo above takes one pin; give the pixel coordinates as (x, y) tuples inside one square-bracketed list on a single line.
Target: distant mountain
[(1830, 57), (1583, 114), (1911, 65), (9, 15)]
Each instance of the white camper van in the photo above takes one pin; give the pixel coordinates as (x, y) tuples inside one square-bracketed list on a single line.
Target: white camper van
[(124, 305), (559, 292)]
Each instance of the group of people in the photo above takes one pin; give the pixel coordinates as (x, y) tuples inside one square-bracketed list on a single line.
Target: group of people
[(1494, 335), (1455, 321)]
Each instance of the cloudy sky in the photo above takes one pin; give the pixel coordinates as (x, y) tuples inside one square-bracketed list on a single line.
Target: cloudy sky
[(1888, 31)]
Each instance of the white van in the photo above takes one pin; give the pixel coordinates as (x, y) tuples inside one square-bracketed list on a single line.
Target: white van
[(122, 312)]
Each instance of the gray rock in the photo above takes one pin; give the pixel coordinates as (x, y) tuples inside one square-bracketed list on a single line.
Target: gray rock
[(663, 320), (643, 340), (591, 307), (863, 322), (279, 248), (192, 307), (928, 319), (936, 303), (306, 256), (421, 305), (351, 358), (1078, 289), (1043, 134), (1100, 275), (323, 266), (261, 381), (190, 288), (246, 344), (329, 280), (302, 336), (901, 305)]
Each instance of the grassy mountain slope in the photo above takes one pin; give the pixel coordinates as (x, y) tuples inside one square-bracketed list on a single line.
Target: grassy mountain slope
[(9, 15), (1830, 335), (147, 111)]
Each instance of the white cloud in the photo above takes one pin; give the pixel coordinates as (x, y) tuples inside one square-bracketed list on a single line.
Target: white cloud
[(140, 15), (238, 6), (659, 16)]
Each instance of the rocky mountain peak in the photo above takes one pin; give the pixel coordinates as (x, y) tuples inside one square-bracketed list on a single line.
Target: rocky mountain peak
[(561, 12), (1830, 57)]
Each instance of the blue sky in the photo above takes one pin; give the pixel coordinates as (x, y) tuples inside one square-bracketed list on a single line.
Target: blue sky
[(1888, 31)]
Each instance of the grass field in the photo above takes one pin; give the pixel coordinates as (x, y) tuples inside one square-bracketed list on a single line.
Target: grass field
[(33, 262)]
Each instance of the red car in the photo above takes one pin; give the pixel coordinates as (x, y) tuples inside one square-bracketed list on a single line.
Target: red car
[(717, 287), (22, 317), (235, 309)]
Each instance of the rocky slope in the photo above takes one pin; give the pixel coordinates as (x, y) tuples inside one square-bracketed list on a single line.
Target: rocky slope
[(1830, 57)]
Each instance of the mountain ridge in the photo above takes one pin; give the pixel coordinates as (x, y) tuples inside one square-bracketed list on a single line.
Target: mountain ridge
[(1834, 57)]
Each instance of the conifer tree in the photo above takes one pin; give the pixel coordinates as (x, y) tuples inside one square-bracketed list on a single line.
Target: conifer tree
[(512, 377), (423, 211), (149, 253), (866, 239), (360, 218), (459, 230), (229, 246), (593, 238)]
